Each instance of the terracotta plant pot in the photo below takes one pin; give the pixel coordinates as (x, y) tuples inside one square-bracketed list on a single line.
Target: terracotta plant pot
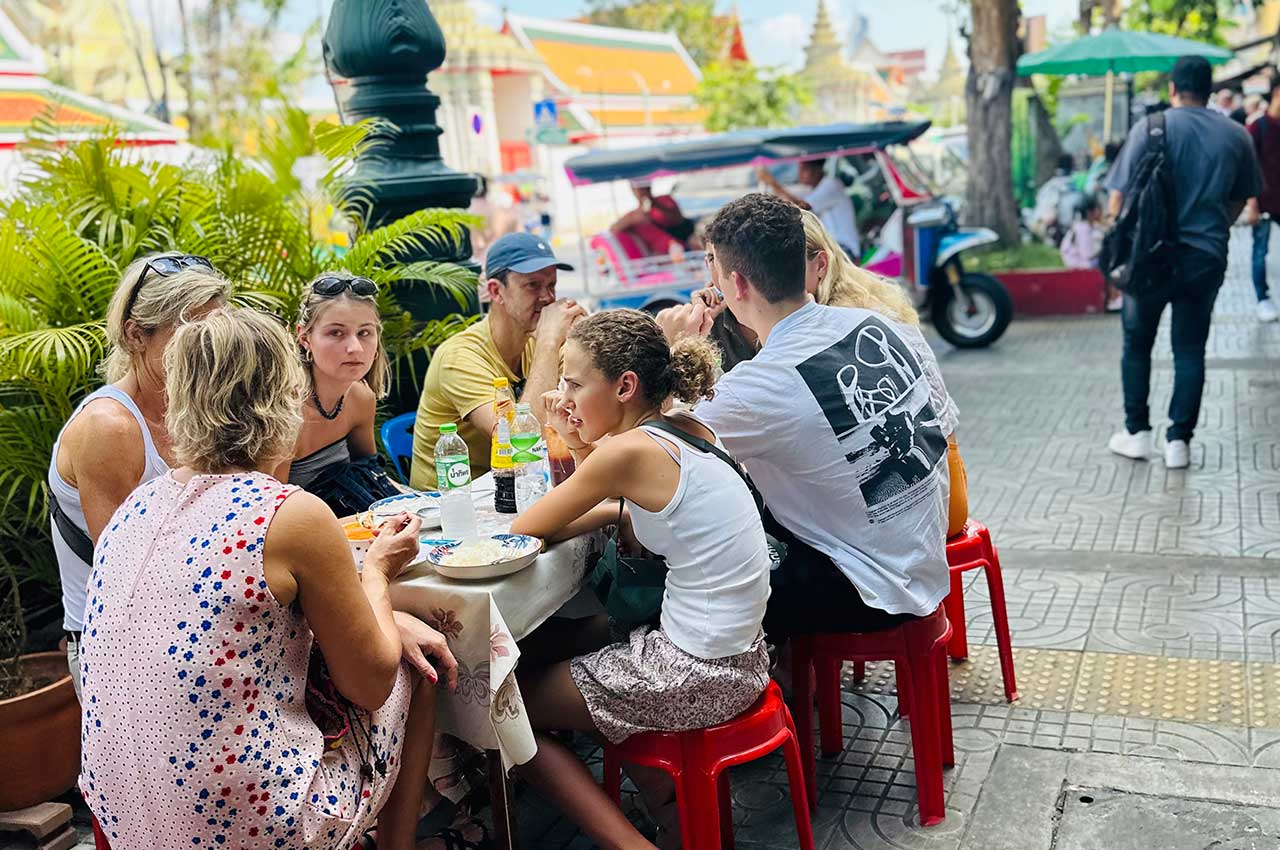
[(40, 736)]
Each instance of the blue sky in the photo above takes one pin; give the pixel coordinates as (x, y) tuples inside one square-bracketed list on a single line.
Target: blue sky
[(776, 33)]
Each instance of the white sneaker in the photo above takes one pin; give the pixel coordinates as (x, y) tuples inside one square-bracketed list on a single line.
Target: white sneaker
[(1267, 311), (1177, 454), (1136, 446)]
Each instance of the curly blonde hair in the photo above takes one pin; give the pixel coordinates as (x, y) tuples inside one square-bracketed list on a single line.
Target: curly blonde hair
[(236, 391), (630, 341), (847, 285), (312, 307), (161, 301)]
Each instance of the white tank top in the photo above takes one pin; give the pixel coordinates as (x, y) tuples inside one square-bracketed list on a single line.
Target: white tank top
[(73, 571), (718, 560)]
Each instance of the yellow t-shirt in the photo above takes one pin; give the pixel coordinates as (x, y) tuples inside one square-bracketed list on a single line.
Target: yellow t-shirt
[(460, 379)]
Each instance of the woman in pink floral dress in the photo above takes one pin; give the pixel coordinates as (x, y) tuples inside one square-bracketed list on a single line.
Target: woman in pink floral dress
[(209, 588)]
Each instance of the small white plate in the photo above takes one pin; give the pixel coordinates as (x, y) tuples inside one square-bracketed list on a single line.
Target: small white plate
[(426, 505), (518, 552)]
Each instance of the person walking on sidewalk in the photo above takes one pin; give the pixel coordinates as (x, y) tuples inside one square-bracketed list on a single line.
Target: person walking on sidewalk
[(1214, 174), (1265, 208)]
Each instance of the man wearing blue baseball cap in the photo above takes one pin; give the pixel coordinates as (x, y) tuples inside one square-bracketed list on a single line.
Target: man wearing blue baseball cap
[(519, 340)]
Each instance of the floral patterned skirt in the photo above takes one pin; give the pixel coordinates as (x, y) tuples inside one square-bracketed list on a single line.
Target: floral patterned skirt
[(649, 684)]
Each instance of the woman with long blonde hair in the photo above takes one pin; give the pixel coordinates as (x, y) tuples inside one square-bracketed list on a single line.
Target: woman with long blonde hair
[(339, 337)]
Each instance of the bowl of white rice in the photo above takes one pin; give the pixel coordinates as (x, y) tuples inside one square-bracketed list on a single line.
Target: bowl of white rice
[(484, 557)]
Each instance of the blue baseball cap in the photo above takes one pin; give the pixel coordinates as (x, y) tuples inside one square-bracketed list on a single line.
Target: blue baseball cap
[(523, 253)]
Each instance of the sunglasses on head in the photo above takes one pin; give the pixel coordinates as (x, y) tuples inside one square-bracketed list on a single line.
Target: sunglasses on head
[(164, 267), (333, 286)]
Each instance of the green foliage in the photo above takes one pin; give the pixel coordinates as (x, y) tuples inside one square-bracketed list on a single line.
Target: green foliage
[(999, 258), (1200, 20), (693, 21), (87, 209), (738, 95)]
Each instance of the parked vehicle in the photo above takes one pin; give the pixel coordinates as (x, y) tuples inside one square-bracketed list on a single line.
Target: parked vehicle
[(917, 238)]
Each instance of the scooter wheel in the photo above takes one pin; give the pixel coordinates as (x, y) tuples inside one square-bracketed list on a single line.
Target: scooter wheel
[(980, 321)]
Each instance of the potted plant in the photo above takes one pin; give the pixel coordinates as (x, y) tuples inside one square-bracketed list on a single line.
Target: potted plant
[(39, 713)]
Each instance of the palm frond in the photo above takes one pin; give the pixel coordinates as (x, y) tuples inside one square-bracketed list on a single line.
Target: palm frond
[(458, 281), (18, 315), (27, 433), (67, 354), (418, 233)]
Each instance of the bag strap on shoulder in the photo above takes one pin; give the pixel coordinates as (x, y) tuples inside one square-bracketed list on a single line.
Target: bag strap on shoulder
[(71, 534), (712, 449)]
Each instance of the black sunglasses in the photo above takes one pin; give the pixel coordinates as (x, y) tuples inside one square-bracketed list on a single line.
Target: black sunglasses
[(163, 267), (330, 287)]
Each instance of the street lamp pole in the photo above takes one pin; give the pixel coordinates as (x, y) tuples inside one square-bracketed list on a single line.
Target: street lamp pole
[(377, 54)]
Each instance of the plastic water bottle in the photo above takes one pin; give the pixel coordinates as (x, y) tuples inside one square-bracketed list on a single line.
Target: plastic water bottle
[(532, 478), (453, 480)]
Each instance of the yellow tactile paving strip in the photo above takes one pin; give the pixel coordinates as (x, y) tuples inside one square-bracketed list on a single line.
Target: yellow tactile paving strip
[(1232, 693)]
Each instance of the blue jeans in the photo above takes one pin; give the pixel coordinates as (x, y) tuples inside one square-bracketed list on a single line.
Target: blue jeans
[(1261, 240), (1191, 292)]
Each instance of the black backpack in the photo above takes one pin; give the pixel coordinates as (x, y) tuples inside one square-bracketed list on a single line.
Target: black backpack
[(1136, 252)]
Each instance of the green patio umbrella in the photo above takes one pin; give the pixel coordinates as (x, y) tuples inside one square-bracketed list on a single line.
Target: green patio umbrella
[(1118, 51), (1115, 51)]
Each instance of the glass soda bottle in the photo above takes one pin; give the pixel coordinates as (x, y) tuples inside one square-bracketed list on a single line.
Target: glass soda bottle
[(501, 453), (453, 480)]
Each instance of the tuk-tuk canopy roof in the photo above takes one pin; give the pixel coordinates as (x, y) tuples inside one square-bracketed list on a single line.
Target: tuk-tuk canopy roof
[(741, 147)]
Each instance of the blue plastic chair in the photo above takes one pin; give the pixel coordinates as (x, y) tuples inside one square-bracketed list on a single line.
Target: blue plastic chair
[(397, 439)]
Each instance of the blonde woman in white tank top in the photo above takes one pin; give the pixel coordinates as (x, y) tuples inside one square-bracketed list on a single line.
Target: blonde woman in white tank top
[(707, 660), (116, 437)]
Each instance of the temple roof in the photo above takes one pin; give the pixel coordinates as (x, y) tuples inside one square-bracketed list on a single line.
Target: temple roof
[(610, 76), (26, 96), (472, 45)]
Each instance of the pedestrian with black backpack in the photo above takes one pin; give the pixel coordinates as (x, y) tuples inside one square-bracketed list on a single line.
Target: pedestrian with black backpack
[(1181, 180), (1262, 210)]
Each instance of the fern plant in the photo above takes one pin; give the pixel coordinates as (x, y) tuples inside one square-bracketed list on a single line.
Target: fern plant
[(86, 210)]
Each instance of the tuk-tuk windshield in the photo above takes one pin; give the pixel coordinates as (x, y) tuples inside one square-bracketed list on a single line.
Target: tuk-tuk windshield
[(909, 169)]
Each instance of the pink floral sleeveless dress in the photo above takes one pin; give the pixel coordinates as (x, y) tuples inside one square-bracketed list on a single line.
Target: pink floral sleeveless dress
[(195, 731)]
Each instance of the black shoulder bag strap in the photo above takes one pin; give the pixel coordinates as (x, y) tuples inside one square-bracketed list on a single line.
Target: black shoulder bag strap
[(710, 448), (72, 534)]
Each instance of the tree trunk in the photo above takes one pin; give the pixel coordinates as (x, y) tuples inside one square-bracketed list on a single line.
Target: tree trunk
[(186, 71), (1048, 145), (993, 50)]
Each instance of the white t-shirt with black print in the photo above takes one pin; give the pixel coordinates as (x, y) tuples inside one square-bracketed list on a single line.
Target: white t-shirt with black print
[(842, 421)]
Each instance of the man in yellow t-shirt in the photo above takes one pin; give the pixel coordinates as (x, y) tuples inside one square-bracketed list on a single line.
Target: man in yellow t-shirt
[(519, 340)]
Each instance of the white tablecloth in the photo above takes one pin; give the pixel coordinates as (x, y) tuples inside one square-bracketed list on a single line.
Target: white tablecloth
[(482, 621)]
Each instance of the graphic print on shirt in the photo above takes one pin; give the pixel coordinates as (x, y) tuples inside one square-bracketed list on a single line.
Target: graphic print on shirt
[(875, 396)]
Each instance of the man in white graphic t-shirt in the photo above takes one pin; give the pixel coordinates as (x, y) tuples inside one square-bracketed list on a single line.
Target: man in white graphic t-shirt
[(842, 422), (826, 196)]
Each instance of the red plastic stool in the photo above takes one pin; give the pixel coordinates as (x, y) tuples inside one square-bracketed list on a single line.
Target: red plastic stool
[(99, 837), (697, 759), (972, 549), (918, 649)]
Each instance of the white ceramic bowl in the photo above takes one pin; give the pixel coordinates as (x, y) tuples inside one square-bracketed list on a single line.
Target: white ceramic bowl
[(517, 552), (426, 505)]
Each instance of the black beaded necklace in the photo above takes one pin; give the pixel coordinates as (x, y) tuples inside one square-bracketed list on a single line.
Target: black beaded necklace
[(315, 397)]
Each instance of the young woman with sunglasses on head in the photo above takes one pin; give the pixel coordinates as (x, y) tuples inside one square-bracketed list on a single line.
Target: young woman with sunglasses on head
[(116, 438), (340, 342)]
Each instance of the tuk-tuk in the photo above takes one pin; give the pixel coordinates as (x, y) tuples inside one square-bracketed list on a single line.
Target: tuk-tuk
[(918, 240)]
